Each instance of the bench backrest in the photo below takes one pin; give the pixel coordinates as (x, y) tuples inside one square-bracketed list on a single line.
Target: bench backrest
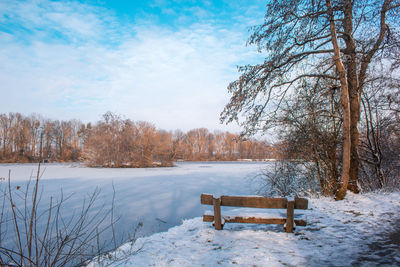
[(255, 202)]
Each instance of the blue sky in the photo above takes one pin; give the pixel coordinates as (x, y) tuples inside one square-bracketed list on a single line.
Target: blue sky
[(165, 62)]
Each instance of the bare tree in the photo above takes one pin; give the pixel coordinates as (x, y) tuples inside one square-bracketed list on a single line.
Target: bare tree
[(312, 133), (300, 39), (379, 138), (115, 142)]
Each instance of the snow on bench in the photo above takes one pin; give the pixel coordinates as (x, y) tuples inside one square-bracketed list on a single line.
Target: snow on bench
[(248, 216)]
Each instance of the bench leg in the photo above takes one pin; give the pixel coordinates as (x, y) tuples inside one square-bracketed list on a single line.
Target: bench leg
[(217, 213), (290, 217)]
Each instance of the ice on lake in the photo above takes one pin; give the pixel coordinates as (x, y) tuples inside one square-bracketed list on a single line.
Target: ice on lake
[(158, 197)]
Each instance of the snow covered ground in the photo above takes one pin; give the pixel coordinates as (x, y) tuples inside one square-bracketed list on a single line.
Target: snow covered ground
[(362, 230)]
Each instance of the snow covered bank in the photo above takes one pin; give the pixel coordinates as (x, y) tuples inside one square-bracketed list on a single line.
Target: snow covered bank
[(349, 232)]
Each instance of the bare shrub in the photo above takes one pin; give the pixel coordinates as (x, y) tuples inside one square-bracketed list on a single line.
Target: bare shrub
[(380, 138), (288, 178), (32, 234)]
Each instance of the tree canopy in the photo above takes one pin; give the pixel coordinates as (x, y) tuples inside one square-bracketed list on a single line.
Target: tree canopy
[(314, 41)]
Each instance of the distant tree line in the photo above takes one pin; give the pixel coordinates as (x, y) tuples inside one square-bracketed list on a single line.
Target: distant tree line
[(118, 142), (20, 138)]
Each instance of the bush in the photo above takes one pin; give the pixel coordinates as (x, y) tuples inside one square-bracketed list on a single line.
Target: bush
[(288, 178), (32, 234)]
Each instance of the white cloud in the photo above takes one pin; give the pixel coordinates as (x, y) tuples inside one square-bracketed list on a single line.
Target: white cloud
[(172, 78)]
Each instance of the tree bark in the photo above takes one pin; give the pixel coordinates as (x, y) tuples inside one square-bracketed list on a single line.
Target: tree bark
[(354, 161), (345, 175), (352, 82)]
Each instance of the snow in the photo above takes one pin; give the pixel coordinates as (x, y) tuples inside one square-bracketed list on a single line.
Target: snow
[(356, 231), (349, 232)]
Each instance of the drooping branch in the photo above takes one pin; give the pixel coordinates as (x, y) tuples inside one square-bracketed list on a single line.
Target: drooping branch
[(366, 59)]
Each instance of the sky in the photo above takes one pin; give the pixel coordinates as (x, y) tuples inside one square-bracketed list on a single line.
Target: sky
[(164, 62)]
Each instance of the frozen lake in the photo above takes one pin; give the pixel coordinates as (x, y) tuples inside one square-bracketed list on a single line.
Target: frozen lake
[(158, 197)]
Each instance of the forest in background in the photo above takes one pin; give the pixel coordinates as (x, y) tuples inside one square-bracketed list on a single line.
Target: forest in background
[(117, 142)]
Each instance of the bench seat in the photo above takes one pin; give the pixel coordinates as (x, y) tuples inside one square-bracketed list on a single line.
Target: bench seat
[(273, 210)]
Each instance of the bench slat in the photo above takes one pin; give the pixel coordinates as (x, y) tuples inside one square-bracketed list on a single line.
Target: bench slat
[(301, 203), (250, 202), (254, 202), (238, 219)]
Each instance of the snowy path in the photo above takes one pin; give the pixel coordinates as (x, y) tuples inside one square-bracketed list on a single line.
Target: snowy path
[(338, 234), (385, 250)]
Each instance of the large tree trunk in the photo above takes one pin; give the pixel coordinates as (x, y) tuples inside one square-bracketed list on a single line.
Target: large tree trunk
[(345, 175), (344, 179), (352, 82), (354, 161)]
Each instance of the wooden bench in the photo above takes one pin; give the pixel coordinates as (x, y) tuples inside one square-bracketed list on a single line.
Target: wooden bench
[(254, 202)]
